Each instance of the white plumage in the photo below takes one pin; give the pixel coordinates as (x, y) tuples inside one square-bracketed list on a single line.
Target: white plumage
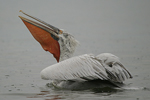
[(87, 67), (72, 72)]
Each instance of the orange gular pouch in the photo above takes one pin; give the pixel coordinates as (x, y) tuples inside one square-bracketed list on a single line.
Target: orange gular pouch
[(45, 39)]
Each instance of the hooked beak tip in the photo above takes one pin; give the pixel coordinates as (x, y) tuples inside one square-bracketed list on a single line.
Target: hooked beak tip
[(19, 16), (20, 10)]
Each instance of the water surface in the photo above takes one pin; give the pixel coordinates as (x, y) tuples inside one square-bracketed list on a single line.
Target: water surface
[(118, 27)]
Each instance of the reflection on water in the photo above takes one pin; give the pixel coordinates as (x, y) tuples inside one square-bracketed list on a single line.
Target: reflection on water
[(47, 95), (107, 90), (86, 85), (43, 94), (103, 93)]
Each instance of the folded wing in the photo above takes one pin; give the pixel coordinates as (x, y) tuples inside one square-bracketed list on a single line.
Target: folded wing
[(81, 68)]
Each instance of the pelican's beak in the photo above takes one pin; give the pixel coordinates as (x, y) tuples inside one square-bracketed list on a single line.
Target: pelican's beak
[(45, 34)]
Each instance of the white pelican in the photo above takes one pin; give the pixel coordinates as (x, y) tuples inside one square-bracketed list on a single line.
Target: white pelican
[(70, 72)]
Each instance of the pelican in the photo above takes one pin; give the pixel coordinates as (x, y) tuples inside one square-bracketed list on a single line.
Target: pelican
[(70, 72)]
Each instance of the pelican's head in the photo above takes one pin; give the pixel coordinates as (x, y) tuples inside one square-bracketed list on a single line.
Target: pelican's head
[(61, 44)]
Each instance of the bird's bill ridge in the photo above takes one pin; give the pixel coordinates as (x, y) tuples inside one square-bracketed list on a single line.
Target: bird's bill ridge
[(45, 34)]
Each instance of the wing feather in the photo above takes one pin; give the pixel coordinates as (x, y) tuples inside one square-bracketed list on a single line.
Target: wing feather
[(77, 68), (88, 67), (115, 70)]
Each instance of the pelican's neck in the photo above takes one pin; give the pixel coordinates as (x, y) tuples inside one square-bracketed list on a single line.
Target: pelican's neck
[(68, 45)]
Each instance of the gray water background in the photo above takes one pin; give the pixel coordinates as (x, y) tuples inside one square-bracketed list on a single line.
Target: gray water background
[(121, 27)]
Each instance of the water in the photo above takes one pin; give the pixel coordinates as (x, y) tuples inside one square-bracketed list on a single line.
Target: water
[(118, 27)]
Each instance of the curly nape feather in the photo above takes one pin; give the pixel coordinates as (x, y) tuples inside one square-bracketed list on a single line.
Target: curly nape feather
[(68, 45)]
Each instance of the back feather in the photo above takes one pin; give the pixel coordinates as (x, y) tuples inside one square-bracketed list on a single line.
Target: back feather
[(87, 67)]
